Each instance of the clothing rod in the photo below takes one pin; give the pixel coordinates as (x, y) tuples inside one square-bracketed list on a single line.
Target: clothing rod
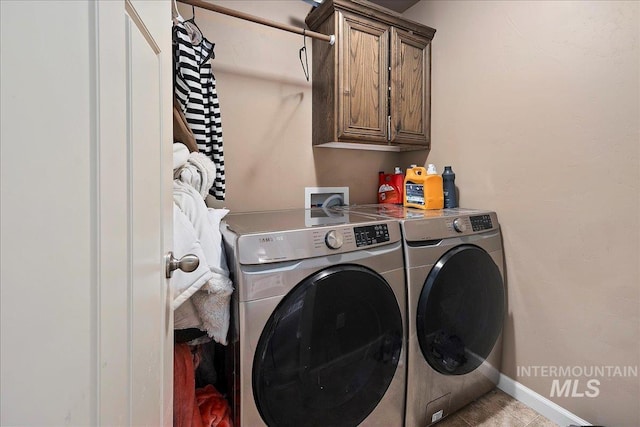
[(215, 8)]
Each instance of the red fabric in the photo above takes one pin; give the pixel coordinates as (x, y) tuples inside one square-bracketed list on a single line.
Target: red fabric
[(214, 408), (185, 410)]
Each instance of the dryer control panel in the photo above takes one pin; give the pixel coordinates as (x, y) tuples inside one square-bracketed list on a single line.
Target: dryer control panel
[(451, 223)]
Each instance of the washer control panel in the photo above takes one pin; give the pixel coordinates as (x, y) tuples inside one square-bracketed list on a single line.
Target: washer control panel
[(289, 245), (371, 234)]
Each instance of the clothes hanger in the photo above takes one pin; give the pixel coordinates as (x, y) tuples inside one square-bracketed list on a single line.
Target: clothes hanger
[(175, 13), (193, 17), (305, 64), (192, 28)]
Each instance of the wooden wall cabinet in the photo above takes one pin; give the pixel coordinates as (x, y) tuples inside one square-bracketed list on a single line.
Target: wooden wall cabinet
[(371, 90)]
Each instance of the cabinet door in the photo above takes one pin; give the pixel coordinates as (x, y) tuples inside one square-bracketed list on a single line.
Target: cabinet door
[(363, 87), (410, 97)]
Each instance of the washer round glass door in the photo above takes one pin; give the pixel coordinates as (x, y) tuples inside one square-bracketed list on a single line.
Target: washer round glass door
[(460, 310), (329, 351)]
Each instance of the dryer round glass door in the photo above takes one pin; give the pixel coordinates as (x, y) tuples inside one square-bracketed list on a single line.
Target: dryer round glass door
[(460, 311), (329, 350)]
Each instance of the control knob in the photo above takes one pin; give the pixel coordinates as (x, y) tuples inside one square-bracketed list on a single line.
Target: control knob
[(334, 239), (459, 225)]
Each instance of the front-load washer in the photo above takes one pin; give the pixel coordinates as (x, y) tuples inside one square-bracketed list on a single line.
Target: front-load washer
[(455, 310), (317, 328)]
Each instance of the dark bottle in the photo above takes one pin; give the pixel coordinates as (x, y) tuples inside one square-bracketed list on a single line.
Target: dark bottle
[(449, 188)]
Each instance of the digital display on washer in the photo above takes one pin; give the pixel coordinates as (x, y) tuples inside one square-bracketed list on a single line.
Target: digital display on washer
[(481, 222), (371, 234)]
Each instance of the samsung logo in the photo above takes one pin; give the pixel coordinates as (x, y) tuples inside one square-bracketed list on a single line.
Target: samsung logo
[(271, 239)]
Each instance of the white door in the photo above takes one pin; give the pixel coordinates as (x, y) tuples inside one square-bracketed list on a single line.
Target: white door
[(86, 324)]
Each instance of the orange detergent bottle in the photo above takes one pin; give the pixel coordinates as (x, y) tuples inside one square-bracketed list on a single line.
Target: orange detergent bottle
[(423, 188)]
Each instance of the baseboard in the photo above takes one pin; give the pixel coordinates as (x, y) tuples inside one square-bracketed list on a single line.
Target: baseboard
[(541, 404)]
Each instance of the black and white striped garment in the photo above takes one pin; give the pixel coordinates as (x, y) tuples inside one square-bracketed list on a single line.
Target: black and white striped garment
[(195, 90)]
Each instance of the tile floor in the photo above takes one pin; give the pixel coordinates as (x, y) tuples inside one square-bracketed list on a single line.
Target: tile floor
[(496, 409)]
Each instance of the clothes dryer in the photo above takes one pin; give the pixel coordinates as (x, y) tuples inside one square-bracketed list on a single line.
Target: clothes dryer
[(317, 336), (456, 305)]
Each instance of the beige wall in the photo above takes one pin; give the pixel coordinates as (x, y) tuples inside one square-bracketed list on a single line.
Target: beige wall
[(536, 107), (266, 113)]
